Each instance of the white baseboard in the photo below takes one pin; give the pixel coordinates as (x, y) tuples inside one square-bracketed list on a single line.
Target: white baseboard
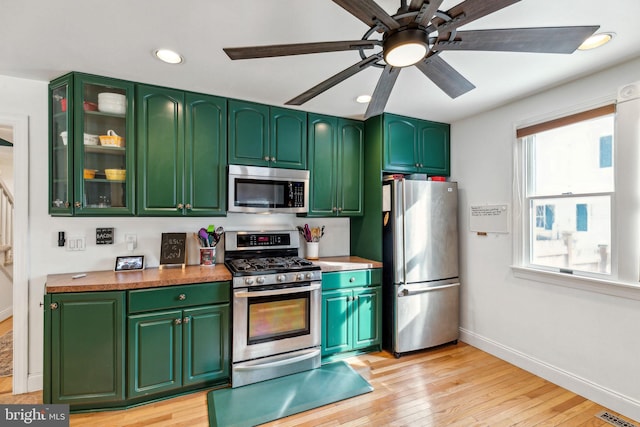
[(610, 399), (6, 313), (34, 382)]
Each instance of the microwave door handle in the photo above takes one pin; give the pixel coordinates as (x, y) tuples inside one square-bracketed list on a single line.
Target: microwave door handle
[(246, 294)]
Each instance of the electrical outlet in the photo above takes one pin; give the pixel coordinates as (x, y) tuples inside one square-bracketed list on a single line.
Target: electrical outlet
[(131, 240)]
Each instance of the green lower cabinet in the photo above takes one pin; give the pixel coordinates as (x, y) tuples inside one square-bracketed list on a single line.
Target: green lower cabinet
[(172, 349), (337, 333), (155, 352), (84, 348), (205, 352), (351, 312)]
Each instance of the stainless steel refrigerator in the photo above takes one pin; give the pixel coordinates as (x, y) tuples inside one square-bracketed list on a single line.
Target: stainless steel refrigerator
[(421, 287)]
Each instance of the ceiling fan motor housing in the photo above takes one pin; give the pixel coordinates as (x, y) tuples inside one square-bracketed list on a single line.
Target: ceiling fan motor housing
[(405, 47)]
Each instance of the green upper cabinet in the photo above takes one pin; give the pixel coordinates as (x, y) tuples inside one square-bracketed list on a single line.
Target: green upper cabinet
[(415, 146), (84, 348), (336, 166), (91, 130), (181, 153), (260, 135)]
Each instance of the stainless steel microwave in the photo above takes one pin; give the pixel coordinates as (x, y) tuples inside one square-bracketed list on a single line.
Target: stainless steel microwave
[(255, 189)]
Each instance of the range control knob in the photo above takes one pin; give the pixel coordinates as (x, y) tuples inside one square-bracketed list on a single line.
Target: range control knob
[(309, 276), (281, 278), (300, 276), (248, 281), (260, 280)]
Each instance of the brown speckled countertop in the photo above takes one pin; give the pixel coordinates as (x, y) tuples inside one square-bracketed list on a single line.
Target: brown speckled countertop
[(155, 277), (341, 263), (148, 278)]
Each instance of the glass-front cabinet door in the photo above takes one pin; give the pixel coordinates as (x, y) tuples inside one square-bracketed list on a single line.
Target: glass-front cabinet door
[(60, 152), (92, 165)]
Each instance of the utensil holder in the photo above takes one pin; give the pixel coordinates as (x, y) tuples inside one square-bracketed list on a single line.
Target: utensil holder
[(208, 256), (312, 250)]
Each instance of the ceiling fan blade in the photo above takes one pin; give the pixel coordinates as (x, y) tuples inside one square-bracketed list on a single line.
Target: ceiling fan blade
[(296, 49), (334, 80), (427, 13), (382, 91), (541, 40), (468, 11), (368, 12), (444, 76)]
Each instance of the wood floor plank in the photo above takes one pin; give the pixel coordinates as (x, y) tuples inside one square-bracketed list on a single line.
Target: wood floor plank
[(455, 385)]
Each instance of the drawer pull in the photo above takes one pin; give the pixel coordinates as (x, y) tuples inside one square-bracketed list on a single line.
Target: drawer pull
[(182, 297), (352, 279), (185, 320), (178, 321)]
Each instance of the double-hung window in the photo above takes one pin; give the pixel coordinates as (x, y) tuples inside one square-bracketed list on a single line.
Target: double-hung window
[(569, 193)]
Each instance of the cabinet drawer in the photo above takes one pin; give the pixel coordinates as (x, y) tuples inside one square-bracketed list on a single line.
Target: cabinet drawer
[(350, 279), (178, 296)]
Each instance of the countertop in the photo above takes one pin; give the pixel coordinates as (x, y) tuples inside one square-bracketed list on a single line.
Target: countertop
[(155, 277)]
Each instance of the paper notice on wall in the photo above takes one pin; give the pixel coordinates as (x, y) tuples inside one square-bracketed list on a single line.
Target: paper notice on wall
[(489, 218)]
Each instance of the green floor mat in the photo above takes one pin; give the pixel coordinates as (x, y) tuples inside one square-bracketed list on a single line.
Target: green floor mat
[(269, 400)]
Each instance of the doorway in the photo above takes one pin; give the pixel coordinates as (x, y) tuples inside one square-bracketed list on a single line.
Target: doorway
[(18, 126)]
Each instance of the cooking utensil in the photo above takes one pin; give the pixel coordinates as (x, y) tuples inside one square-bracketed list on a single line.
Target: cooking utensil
[(204, 237)]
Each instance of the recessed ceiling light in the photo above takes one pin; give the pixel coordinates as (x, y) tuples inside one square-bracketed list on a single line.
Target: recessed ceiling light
[(363, 99), (596, 40), (168, 56)]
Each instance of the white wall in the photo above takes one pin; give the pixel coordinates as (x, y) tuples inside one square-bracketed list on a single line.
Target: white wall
[(19, 96), (586, 341)]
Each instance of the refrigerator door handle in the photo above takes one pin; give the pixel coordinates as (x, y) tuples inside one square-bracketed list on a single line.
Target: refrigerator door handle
[(405, 292)]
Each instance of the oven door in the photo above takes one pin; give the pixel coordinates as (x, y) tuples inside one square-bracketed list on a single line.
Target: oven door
[(268, 322)]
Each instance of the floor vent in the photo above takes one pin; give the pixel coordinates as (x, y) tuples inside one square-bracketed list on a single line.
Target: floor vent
[(614, 420)]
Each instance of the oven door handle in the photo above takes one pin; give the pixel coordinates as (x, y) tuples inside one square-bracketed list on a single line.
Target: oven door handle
[(309, 354), (246, 294)]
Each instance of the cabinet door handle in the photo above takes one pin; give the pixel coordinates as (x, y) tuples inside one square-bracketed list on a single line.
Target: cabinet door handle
[(67, 204), (187, 206), (334, 209), (178, 321), (77, 204), (273, 159), (186, 320), (417, 165), (180, 206), (182, 297), (266, 158), (53, 305), (339, 209)]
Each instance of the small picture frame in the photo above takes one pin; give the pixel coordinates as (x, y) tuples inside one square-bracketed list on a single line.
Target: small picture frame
[(129, 263)]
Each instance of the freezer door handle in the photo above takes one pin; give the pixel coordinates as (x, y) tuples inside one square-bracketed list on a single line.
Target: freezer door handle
[(406, 292)]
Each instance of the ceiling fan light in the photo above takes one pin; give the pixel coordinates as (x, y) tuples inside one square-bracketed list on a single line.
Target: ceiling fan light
[(168, 56), (405, 48), (596, 40)]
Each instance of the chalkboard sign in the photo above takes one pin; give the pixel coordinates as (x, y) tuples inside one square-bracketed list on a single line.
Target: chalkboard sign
[(173, 249), (104, 236)]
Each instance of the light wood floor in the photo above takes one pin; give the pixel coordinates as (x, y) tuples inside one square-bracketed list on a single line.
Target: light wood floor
[(455, 385)]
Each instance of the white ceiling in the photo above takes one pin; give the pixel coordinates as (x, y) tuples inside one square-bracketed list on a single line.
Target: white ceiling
[(43, 39)]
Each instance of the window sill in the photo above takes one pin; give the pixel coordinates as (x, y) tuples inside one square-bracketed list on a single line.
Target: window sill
[(607, 287)]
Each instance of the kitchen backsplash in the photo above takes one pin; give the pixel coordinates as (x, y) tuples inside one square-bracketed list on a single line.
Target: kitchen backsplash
[(149, 230)]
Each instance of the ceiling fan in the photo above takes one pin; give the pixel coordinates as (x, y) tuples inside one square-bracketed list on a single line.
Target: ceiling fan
[(416, 35)]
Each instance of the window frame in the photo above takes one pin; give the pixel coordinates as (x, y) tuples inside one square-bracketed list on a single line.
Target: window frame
[(623, 284)]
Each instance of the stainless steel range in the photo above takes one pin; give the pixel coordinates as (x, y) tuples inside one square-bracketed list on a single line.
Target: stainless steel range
[(276, 306)]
